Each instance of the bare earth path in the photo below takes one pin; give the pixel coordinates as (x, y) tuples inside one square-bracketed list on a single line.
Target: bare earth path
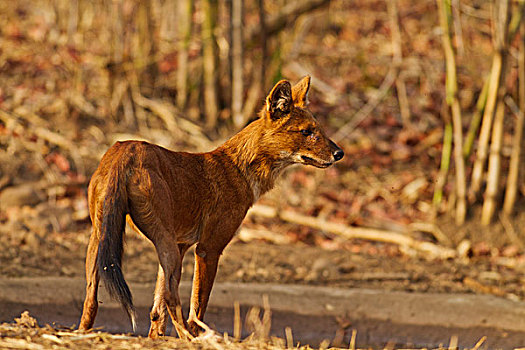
[(314, 313)]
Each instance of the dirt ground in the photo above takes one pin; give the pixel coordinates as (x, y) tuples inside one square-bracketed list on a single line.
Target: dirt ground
[(367, 266), (360, 265)]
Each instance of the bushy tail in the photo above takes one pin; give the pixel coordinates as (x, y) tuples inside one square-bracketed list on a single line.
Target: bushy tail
[(111, 245)]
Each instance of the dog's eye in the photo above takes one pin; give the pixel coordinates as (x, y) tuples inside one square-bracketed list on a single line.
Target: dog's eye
[(306, 132)]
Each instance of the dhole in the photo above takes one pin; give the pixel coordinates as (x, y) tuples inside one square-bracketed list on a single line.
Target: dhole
[(177, 199)]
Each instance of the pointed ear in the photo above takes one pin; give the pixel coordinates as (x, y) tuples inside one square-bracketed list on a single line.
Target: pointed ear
[(279, 102), (300, 92)]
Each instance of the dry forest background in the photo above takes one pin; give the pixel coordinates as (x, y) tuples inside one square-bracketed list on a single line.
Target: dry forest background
[(425, 97)]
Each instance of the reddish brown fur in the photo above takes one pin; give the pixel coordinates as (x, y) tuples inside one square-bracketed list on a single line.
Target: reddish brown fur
[(177, 199)]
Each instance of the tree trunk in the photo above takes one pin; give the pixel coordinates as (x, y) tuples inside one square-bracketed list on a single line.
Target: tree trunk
[(210, 62), (185, 9), (145, 62), (237, 63)]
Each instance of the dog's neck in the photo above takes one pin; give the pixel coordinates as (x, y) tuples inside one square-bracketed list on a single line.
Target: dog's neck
[(255, 157)]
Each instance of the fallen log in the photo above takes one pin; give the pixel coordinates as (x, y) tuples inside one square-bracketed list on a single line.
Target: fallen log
[(349, 232)]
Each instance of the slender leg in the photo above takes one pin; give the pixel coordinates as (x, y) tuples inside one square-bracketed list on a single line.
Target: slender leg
[(206, 262), (92, 278), (158, 312), (170, 261)]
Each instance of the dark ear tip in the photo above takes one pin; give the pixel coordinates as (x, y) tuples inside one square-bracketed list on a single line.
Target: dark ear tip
[(283, 84)]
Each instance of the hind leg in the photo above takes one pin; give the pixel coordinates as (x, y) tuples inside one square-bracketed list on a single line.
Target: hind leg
[(170, 259), (92, 278), (158, 313)]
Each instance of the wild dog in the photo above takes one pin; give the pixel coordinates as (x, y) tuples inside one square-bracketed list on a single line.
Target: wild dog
[(177, 199)]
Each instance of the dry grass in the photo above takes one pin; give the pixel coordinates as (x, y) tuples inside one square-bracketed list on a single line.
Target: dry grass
[(25, 333)]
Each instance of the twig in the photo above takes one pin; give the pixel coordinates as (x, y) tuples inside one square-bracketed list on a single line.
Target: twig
[(433, 229), (51, 137), (354, 232), (479, 343), (288, 14), (78, 101), (453, 345), (397, 58), (330, 95), (247, 235), (479, 287), (162, 110), (510, 231), (168, 113), (352, 339), (237, 324), (371, 104)]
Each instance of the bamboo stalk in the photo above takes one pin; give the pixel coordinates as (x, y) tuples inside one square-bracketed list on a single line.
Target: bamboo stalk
[(72, 25), (486, 125), (496, 79), (264, 45), (493, 173), (210, 60), (513, 177), (445, 158), (237, 63), (453, 102), (147, 45), (397, 52), (476, 120), (185, 8), (494, 167)]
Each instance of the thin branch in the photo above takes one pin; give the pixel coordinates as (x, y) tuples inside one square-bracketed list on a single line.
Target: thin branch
[(370, 105), (288, 14), (397, 60)]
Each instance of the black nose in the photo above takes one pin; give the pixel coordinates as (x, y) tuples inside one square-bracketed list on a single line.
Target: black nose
[(338, 154)]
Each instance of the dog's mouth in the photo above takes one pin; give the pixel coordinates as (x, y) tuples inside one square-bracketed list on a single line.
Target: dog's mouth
[(316, 163)]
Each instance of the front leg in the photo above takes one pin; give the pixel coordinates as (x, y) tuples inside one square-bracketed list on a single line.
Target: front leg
[(214, 238)]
